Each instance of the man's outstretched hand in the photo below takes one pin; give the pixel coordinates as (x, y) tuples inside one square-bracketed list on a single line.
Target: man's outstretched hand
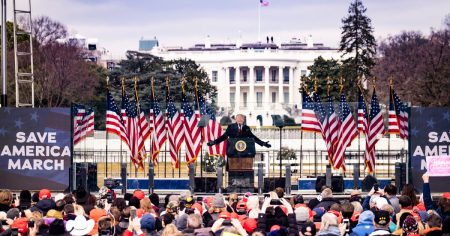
[(210, 143), (267, 144)]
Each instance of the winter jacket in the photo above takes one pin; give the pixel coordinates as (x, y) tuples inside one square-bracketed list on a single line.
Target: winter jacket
[(332, 230), (429, 205), (326, 203), (365, 224)]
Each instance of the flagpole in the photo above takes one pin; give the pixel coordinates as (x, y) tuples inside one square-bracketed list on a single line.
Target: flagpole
[(259, 22), (106, 148), (152, 124), (136, 169)]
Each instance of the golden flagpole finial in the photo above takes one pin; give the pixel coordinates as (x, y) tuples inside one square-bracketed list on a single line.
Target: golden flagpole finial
[(328, 85), (315, 84), (341, 85)]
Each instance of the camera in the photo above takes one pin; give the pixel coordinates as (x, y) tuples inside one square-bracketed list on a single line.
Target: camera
[(31, 223), (132, 214), (227, 223), (109, 197), (275, 202), (347, 224), (376, 187)]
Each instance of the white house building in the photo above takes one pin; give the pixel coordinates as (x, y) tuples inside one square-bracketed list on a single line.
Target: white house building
[(259, 80)]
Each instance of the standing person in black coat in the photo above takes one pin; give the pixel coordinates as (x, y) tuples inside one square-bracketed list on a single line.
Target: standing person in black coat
[(238, 130)]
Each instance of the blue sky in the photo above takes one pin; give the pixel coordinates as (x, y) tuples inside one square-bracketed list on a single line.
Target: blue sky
[(119, 25)]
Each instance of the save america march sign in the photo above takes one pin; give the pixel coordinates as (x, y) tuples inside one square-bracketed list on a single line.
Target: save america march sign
[(34, 148), (430, 147)]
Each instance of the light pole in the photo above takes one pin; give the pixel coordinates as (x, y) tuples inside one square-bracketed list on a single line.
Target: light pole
[(280, 124)]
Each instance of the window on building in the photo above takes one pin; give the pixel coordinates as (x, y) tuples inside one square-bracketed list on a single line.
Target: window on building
[(303, 73), (232, 74), (244, 75), (274, 97), (286, 97), (232, 99), (259, 99), (214, 76), (274, 75), (286, 74), (259, 73), (244, 99)]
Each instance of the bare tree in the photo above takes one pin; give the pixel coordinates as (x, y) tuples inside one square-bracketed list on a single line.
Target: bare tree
[(47, 30), (418, 65)]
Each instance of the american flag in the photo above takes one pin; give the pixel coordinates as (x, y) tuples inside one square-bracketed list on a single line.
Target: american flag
[(375, 131), (214, 131), (175, 131), (191, 131), (157, 125), (309, 119), (362, 115), (334, 124), (114, 122), (347, 132), (144, 131), (324, 126), (83, 123), (393, 122), (131, 122), (402, 115)]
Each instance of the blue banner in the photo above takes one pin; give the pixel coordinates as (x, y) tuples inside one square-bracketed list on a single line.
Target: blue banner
[(35, 148), (429, 136)]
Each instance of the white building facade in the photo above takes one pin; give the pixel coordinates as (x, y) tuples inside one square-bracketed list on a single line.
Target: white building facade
[(261, 81)]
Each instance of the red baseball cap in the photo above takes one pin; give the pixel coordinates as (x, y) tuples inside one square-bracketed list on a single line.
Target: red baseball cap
[(21, 225), (139, 194), (446, 195), (249, 225), (225, 215), (45, 193), (275, 227)]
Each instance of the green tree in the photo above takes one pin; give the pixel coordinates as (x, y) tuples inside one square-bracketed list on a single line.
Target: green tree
[(145, 67), (357, 43), (325, 71)]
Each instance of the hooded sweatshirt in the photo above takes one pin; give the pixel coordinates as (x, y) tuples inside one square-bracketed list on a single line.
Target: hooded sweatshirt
[(365, 224)]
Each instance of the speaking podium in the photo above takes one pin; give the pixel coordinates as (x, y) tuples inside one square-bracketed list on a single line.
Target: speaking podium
[(241, 154)]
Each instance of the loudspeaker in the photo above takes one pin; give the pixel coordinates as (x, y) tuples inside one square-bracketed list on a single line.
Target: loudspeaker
[(123, 177), (92, 177), (400, 175), (287, 188), (151, 177), (368, 183), (270, 184), (192, 178), (81, 175), (260, 178), (206, 184), (337, 183), (219, 179)]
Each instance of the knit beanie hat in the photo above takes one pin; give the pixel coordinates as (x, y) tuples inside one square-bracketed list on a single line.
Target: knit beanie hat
[(218, 201), (410, 225)]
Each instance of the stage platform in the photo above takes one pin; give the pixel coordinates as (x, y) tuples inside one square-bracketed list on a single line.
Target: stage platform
[(302, 185)]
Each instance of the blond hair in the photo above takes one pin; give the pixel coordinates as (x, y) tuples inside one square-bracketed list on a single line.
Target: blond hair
[(5, 197), (328, 219), (146, 205), (170, 230)]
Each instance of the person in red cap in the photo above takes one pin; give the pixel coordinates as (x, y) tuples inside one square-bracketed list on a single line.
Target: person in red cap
[(139, 194), (45, 194), (21, 225)]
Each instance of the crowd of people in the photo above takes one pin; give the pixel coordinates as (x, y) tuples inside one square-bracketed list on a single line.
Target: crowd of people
[(381, 212)]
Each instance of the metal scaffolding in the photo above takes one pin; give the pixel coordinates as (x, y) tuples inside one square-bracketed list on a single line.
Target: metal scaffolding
[(23, 57)]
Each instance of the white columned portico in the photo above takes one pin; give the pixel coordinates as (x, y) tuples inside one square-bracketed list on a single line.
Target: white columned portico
[(237, 78), (291, 85), (251, 96), (280, 87), (266, 88)]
